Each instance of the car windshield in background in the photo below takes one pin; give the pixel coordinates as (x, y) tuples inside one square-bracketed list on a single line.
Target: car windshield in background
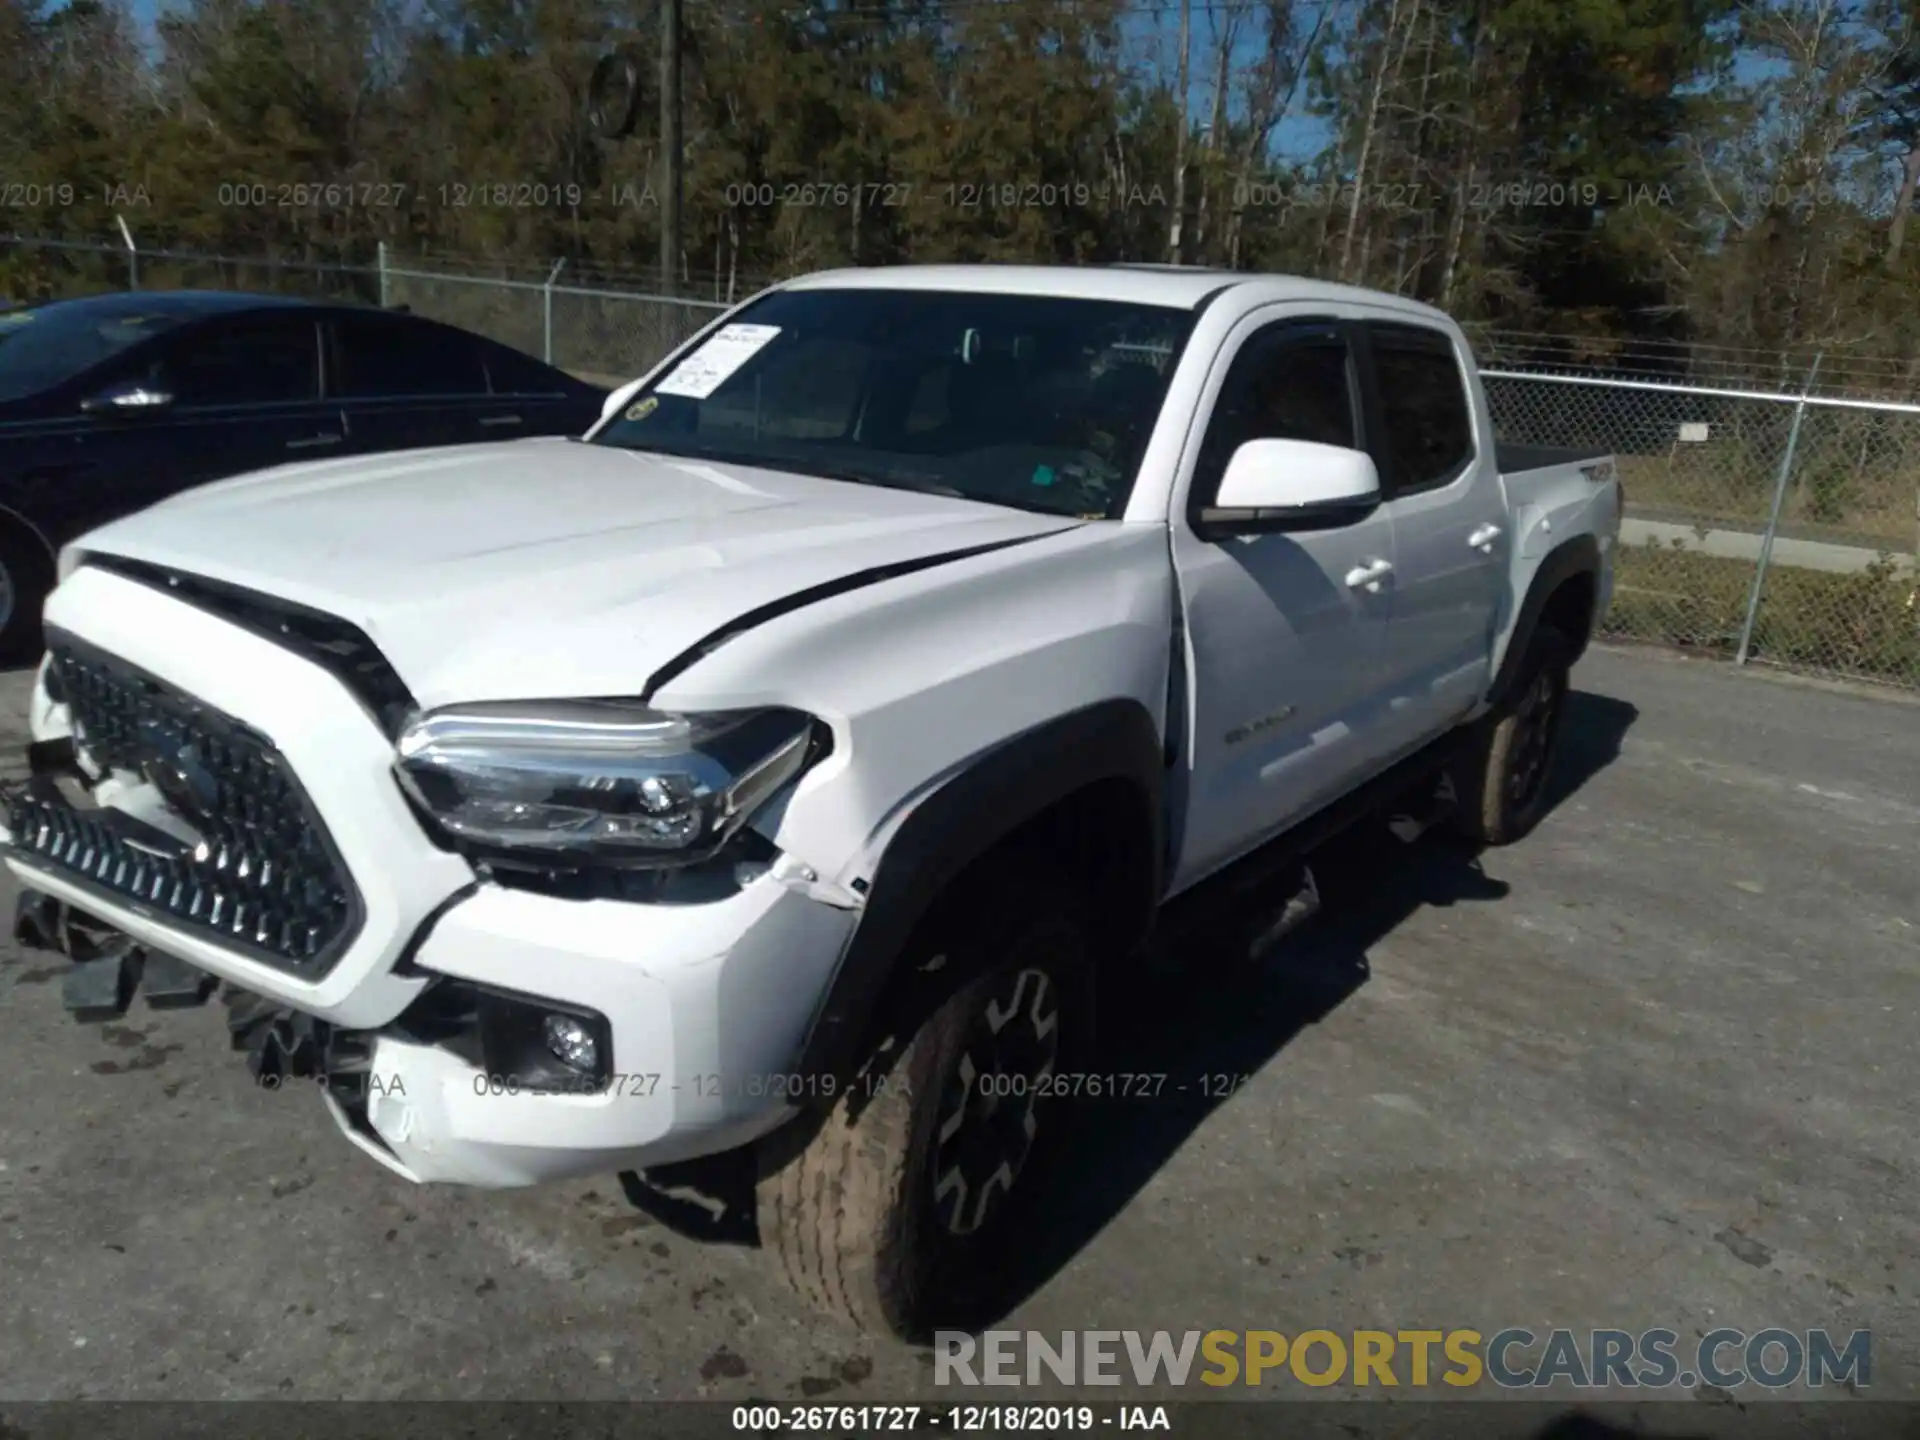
[(47, 345), (1035, 402)]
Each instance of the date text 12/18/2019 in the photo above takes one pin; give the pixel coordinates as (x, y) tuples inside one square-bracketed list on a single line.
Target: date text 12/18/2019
[(954, 1419)]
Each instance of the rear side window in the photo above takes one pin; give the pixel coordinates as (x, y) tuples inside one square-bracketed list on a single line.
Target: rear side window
[(1424, 411), (381, 357), (1288, 383)]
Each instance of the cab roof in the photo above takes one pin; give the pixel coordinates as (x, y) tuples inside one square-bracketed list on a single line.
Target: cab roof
[(1176, 287)]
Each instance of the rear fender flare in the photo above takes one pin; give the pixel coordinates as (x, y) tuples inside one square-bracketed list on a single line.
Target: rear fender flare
[(1577, 556)]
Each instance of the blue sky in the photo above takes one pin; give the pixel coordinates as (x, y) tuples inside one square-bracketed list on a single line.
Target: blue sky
[(1298, 137), (144, 14)]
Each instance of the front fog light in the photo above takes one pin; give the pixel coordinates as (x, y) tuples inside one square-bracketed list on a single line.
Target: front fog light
[(573, 1043)]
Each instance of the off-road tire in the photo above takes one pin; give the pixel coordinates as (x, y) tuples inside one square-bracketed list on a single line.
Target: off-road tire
[(1490, 811), (846, 1207)]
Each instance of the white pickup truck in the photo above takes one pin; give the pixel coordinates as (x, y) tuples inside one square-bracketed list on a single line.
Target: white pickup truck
[(771, 772)]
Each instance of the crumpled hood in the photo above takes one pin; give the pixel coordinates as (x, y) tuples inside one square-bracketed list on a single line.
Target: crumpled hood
[(543, 568)]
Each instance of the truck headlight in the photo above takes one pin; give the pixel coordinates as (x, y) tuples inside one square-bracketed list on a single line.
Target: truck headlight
[(600, 781)]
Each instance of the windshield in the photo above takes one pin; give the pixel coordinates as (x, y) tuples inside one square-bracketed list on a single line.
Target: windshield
[(1029, 401), (43, 347)]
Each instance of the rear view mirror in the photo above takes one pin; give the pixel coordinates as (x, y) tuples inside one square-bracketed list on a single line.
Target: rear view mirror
[(127, 398), (1278, 485)]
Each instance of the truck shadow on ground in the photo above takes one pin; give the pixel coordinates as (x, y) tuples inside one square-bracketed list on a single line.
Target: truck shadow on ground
[(1189, 1026), (1216, 1015)]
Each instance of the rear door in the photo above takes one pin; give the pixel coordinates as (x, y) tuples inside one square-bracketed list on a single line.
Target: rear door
[(1286, 643), (1449, 519), (405, 383)]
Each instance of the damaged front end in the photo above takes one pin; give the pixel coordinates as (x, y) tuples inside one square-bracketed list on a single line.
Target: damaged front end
[(108, 971), (230, 877)]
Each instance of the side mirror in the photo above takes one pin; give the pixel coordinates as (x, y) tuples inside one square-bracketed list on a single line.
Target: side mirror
[(130, 397), (1280, 485)]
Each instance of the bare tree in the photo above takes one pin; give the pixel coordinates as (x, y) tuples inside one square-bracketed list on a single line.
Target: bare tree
[(1813, 124), (1273, 83), (1895, 98), (1180, 136), (1382, 62), (1227, 32)]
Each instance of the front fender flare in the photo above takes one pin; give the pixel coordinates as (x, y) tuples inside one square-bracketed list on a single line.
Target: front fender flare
[(963, 820)]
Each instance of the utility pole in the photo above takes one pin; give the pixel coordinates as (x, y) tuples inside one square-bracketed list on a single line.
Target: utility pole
[(672, 152), (1180, 138)]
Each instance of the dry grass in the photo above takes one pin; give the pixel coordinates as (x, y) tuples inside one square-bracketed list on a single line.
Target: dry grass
[(1829, 498), (1865, 625)]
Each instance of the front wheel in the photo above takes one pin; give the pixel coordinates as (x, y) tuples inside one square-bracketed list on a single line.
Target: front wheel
[(891, 1213), (1503, 785)]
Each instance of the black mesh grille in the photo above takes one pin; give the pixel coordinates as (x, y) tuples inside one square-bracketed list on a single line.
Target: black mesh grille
[(265, 879)]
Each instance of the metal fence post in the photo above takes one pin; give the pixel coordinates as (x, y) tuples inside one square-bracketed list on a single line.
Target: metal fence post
[(133, 253), (1773, 517), (386, 279), (546, 306)]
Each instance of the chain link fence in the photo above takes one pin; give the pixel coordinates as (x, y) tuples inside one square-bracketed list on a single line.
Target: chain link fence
[(1770, 525), (604, 335)]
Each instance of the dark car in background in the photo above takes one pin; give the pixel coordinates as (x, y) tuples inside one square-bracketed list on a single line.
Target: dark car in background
[(112, 402)]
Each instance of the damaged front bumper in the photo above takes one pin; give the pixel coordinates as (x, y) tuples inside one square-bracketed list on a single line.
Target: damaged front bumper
[(109, 971), (697, 1027), (459, 1090), (421, 1013)]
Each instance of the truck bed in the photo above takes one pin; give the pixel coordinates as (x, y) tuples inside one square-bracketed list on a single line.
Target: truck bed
[(1515, 459)]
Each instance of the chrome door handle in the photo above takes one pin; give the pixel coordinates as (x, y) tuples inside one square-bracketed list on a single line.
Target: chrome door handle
[(1483, 538), (312, 441), (500, 420), (1369, 575)]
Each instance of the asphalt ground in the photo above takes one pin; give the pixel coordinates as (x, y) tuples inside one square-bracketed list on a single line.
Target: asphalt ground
[(1652, 1067)]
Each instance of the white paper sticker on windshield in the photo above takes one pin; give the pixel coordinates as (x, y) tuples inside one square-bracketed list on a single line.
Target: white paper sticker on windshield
[(709, 367)]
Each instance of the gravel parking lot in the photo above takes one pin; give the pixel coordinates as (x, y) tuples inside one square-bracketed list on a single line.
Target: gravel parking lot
[(1652, 1067)]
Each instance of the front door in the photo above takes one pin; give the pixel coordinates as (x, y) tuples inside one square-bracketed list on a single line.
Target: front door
[(241, 393), (1286, 632)]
